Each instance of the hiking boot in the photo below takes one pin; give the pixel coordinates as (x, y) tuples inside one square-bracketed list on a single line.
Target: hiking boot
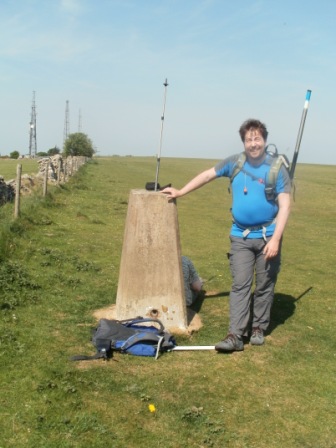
[(257, 336), (231, 343)]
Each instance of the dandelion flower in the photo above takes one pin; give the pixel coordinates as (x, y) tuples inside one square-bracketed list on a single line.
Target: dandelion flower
[(151, 408)]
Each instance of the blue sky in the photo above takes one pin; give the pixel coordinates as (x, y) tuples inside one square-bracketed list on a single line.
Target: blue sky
[(225, 61)]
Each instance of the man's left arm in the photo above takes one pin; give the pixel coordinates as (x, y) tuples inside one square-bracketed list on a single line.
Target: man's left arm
[(272, 247)]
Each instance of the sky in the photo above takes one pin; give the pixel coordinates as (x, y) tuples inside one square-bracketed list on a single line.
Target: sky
[(225, 61)]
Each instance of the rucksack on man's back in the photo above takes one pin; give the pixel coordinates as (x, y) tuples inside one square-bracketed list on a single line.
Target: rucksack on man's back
[(131, 336), (278, 160)]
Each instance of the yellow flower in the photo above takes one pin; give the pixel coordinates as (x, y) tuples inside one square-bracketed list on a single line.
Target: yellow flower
[(151, 408)]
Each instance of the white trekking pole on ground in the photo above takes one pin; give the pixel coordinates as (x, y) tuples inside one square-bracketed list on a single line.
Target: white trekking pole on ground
[(160, 145), (192, 347)]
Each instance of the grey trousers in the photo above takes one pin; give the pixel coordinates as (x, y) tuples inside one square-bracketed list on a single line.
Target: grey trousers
[(247, 309)]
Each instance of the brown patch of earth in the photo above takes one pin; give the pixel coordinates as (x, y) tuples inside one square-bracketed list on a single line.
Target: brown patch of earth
[(193, 319)]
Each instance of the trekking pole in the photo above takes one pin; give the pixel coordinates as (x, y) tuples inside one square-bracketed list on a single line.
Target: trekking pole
[(160, 146), (192, 347), (299, 137)]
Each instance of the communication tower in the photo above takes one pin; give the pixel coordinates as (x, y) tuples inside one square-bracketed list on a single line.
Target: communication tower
[(66, 122), (32, 130), (80, 121)]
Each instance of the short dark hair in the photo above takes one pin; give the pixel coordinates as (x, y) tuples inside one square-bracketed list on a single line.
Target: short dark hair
[(252, 124)]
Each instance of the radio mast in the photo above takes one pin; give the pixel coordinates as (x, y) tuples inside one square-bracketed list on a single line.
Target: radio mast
[(80, 121), (32, 130), (66, 122)]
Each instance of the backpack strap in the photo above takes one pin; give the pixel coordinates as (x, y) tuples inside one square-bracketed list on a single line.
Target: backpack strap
[(141, 320), (164, 341), (277, 162), (103, 350), (272, 177), (149, 336), (237, 167), (247, 230)]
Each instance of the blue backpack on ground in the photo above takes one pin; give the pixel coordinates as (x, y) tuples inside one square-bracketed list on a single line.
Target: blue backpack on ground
[(131, 336)]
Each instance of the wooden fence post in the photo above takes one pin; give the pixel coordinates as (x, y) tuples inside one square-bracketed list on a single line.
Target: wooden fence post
[(45, 183), (17, 192)]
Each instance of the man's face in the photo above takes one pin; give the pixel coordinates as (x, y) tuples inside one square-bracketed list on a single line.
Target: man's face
[(254, 146)]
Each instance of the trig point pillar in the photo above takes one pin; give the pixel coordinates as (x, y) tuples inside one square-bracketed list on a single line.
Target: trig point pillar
[(150, 277)]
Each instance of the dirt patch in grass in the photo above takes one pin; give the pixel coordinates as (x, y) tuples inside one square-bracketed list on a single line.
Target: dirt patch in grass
[(193, 319)]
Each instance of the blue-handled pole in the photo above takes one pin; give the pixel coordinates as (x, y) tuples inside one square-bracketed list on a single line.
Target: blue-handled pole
[(160, 146), (299, 137)]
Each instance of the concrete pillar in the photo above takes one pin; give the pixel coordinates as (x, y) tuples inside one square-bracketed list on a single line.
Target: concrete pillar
[(150, 277)]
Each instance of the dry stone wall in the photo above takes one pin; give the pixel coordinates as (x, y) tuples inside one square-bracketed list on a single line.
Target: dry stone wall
[(59, 170), (7, 192)]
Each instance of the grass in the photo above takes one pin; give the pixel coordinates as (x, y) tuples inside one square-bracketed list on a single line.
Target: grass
[(8, 167), (60, 262)]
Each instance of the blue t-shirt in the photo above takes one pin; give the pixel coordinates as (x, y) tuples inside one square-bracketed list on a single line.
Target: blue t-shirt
[(250, 207)]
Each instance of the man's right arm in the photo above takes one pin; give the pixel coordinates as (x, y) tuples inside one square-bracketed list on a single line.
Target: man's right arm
[(197, 182)]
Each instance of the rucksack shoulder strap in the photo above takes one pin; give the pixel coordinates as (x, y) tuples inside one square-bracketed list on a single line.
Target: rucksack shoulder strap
[(141, 320), (140, 337), (238, 166), (272, 177), (103, 351), (163, 341), (275, 167)]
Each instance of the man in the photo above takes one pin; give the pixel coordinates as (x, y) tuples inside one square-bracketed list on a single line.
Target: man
[(192, 282), (256, 234)]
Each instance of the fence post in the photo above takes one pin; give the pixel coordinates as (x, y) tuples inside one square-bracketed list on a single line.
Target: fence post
[(45, 183), (17, 192)]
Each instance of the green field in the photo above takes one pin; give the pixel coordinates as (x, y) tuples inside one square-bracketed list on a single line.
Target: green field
[(60, 263), (8, 167)]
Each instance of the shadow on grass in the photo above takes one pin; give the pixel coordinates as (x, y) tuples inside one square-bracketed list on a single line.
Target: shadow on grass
[(197, 305), (283, 308)]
